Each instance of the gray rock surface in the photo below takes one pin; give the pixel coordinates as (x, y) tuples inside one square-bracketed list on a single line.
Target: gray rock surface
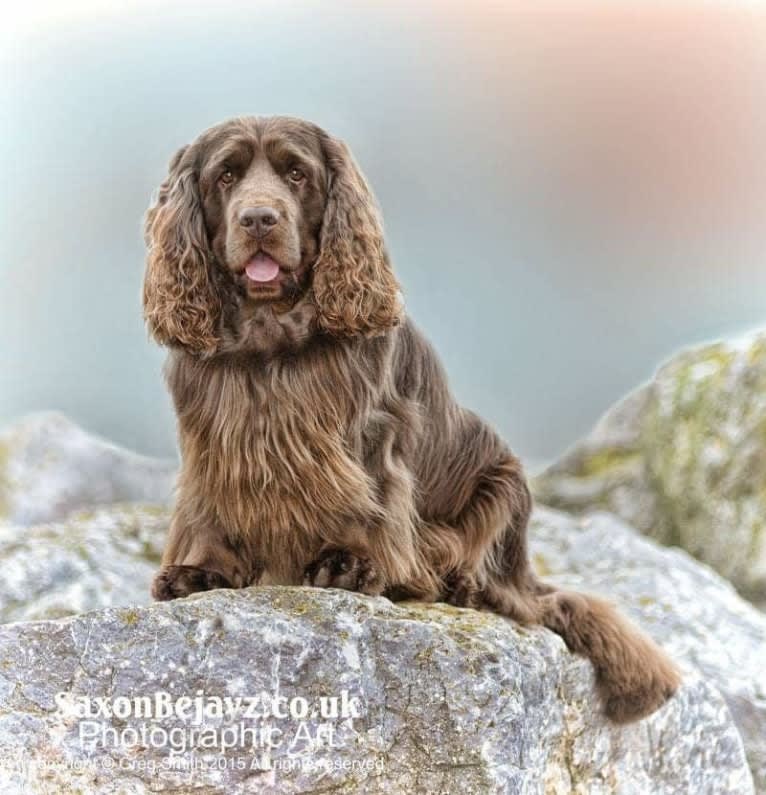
[(437, 700), (105, 557), (50, 467), (690, 610), (683, 459)]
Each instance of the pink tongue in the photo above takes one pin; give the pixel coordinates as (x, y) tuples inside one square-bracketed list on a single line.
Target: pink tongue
[(262, 268)]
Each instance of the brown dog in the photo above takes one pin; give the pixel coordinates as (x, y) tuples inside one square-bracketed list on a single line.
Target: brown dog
[(319, 439)]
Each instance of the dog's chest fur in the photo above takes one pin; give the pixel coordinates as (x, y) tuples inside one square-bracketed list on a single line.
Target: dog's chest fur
[(277, 446)]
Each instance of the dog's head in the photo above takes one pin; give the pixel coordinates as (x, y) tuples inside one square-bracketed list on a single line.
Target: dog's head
[(270, 209)]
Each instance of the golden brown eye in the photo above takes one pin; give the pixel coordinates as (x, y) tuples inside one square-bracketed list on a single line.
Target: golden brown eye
[(227, 177), (296, 175)]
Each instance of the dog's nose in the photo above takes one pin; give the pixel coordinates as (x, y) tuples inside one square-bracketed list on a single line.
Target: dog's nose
[(258, 221)]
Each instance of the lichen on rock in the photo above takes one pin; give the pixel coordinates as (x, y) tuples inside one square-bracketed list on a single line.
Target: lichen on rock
[(683, 459)]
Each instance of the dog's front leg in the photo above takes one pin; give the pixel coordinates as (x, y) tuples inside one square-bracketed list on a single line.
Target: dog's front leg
[(199, 556), (375, 550)]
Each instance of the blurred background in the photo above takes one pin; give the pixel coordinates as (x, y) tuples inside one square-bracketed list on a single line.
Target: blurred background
[(571, 190)]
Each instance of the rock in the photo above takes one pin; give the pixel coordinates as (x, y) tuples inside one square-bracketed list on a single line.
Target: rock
[(50, 467), (687, 608), (683, 459), (107, 558), (430, 699), (102, 558)]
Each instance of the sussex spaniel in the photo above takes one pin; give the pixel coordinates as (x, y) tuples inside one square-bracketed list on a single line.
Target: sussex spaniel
[(320, 442)]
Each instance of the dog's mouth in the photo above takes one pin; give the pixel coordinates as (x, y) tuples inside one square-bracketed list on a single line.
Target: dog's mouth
[(265, 278), (262, 270)]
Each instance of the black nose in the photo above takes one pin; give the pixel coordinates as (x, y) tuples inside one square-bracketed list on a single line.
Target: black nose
[(258, 221)]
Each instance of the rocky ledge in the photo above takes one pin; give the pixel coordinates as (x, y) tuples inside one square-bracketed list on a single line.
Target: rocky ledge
[(341, 693)]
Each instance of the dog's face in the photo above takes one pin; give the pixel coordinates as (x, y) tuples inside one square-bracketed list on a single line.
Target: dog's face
[(263, 186), (268, 210)]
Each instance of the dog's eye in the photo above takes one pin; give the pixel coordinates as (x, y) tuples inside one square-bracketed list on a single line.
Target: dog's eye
[(227, 177), (295, 175)]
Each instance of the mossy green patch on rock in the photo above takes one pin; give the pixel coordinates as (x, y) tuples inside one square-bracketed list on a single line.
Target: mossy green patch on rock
[(541, 565), (603, 462), (130, 617)]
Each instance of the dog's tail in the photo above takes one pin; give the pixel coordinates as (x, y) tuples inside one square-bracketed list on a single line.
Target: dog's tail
[(634, 676)]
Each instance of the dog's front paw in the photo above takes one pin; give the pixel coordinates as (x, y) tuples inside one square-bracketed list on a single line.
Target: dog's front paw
[(461, 590), (173, 582), (339, 568)]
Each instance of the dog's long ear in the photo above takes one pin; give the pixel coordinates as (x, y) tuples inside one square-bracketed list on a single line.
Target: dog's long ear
[(181, 305), (354, 287)]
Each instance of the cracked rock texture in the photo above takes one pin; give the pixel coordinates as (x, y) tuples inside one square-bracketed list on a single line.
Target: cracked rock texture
[(683, 459), (437, 700), (50, 467)]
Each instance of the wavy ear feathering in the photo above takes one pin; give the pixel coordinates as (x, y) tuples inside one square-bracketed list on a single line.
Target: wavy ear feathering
[(181, 305), (354, 286)]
